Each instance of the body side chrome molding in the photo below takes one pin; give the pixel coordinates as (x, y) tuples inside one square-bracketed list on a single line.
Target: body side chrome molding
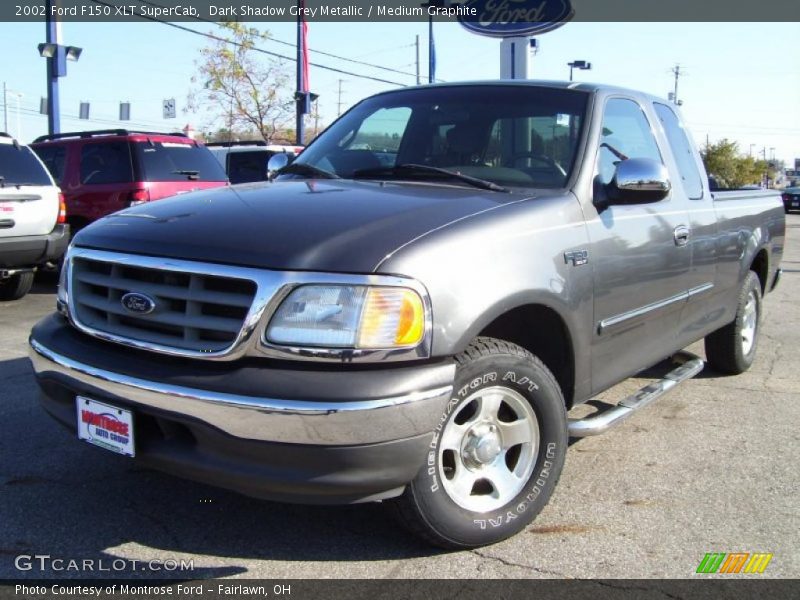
[(355, 422), (617, 321)]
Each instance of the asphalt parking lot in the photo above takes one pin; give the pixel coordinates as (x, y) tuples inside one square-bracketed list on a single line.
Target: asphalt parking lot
[(713, 467)]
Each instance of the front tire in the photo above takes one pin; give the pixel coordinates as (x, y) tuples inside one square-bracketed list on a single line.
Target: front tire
[(496, 454), (16, 286), (732, 348)]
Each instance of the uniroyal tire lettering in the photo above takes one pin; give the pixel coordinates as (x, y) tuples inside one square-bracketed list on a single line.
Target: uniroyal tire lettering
[(432, 470), (541, 480)]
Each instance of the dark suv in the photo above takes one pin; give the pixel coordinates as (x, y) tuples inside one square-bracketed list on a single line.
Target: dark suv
[(101, 172)]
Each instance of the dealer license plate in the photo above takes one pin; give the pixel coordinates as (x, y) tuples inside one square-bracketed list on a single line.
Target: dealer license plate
[(104, 425)]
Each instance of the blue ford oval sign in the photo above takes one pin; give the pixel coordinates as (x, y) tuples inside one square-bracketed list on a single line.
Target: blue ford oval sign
[(515, 18), (139, 304)]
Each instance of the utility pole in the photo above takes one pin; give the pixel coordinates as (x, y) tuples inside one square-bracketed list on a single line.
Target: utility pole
[(676, 70), (339, 103), (417, 44), (431, 52), (5, 106)]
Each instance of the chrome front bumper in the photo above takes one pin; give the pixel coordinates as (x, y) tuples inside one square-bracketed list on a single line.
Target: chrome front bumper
[(325, 423)]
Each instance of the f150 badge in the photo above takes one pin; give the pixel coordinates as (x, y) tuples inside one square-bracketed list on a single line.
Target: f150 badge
[(576, 257)]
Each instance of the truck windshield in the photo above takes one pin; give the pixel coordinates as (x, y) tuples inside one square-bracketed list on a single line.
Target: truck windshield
[(509, 135)]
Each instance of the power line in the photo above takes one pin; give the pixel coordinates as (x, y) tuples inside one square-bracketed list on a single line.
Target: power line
[(311, 50), (256, 49), (33, 112)]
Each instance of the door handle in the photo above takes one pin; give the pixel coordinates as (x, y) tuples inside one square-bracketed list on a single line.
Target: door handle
[(681, 235)]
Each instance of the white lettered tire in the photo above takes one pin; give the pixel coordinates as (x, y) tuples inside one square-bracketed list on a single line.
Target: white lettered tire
[(496, 454)]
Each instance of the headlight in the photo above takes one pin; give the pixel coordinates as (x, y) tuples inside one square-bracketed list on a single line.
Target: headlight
[(349, 316)]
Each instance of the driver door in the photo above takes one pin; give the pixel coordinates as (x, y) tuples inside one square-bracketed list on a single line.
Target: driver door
[(639, 259)]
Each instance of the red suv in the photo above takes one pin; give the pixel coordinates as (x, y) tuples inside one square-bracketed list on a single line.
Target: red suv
[(101, 172)]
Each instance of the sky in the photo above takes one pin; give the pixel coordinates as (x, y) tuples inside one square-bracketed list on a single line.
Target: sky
[(741, 81)]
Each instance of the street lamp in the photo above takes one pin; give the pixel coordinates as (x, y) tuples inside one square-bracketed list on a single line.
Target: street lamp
[(578, 64), (57, 57), (431, 43)]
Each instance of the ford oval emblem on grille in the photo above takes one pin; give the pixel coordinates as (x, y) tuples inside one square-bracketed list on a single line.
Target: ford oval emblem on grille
[(137, 303)]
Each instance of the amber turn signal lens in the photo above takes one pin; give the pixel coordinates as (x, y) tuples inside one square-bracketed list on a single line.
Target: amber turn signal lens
[(392, 317)]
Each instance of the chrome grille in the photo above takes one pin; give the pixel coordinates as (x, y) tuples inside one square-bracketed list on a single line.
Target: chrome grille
[(193, 311)]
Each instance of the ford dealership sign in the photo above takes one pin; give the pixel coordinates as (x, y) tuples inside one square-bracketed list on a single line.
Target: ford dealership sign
[(513, 18)]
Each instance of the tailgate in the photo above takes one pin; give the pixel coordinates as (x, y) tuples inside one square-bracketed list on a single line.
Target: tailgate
[(26, 211)]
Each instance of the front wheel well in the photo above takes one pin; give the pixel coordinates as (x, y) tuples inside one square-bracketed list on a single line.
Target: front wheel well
[(542, 332)]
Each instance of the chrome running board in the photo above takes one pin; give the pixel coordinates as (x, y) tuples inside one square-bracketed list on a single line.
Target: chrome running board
[(690, 365)]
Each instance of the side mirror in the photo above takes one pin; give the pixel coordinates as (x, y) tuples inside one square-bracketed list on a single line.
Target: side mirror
[(276, 163), (639, 181)]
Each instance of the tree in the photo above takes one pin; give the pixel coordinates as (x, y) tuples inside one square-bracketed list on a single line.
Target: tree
[(242, 90), (723, 161)]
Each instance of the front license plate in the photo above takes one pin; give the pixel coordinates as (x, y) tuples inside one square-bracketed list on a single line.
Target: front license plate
[(106, 426)]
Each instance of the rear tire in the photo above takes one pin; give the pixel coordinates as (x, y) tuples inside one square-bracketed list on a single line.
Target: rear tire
[(497, 452), (16, 286), (732, 348)]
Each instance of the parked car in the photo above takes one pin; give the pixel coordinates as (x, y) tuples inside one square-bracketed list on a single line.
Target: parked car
[(414, 332), (246, 162), (32, 218), (791, 198), (101, 172)]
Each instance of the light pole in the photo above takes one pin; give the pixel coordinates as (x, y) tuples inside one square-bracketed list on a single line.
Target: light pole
[(578, 64), (431, 43), (303, 97), (57, 57)]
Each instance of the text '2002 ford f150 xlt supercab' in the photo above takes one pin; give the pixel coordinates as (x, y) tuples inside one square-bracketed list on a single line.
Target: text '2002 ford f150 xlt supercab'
[(411, 308)]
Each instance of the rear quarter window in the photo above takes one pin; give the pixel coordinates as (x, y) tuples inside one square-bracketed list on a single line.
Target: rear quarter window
[(681, 150), (19, 166), (55, 159), (106, 162), (177, 161)]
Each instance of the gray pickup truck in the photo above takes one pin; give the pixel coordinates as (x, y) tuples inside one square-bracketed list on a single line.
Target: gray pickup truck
[(408, 312)]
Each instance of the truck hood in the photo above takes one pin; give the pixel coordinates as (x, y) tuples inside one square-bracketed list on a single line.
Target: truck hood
[(338, 226)]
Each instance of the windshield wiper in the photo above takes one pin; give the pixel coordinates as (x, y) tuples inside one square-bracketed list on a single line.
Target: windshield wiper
[(415, 169), (191, 174), (298, 168)]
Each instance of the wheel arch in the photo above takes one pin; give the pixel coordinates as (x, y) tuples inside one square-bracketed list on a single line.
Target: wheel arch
[(760, 266), (541, 330)]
